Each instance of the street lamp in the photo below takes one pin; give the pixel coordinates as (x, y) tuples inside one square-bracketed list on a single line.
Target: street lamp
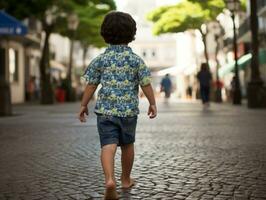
[(233, 6), (73, 22)]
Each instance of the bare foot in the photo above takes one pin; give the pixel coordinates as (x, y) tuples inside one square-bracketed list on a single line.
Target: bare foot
[(126, 184), (110, 191)]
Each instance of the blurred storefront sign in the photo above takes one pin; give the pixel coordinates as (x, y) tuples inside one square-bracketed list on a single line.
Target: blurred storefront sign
[(12, 61), (10, 25)]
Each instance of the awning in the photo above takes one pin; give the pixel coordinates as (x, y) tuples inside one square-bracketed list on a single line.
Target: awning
[(176, 70), (243, 62), (57, 66), (10, 25), (170, 70)]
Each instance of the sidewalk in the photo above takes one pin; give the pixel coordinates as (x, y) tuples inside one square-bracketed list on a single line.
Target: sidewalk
[(185, 153)]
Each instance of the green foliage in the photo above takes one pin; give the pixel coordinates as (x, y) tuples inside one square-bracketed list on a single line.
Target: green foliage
[(90, 13), (26, 8), (110, 3), (188, 14), (215, 6), (156, 14), (181, 17), (91, 18)]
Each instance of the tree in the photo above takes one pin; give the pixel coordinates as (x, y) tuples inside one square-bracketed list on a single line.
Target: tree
[(188, 14), (52, 14), (90, 18), (184, 16), (87, 33), (215, 5)]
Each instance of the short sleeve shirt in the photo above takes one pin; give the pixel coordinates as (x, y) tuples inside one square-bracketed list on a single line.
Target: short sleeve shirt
[(119, 71)]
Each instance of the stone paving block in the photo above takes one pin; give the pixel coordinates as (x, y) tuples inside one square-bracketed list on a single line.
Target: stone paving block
[(179, 197), (185, 153), (78, 196)]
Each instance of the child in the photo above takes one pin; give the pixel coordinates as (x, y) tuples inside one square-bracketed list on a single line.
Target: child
[(120, 72)]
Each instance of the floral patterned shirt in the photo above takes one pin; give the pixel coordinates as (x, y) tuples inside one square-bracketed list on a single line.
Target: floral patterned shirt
[(120, 72)]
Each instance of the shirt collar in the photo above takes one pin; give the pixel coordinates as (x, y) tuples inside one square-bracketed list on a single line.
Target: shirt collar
[(118, 48)]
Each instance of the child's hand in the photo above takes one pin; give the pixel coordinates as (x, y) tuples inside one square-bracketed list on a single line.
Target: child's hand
[(82, 112), (152, 112)]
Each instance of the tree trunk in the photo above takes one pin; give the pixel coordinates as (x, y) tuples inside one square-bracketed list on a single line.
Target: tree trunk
[(216, 56), (47, 94), (218, 47), (70, 93), (218, 93), (69, 73), (204, 40), (85, 50), (255, 73)]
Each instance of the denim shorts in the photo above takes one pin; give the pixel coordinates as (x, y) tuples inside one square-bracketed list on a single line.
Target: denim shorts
[(116, 130)]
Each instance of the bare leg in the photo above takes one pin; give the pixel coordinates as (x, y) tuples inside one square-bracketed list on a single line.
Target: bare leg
[(107, 158), (127, 159)]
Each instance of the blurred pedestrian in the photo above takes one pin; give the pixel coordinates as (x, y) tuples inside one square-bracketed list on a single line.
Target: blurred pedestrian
[(30, 88), (205, 77), (120, 72), (189, 92), (233, 87), (166, 86), (37, 88)]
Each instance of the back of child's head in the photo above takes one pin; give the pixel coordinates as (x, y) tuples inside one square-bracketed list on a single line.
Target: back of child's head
[(118, 28)]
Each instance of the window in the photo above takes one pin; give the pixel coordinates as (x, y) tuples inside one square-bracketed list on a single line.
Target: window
[(144, 54), (13, 65), (153, 53)]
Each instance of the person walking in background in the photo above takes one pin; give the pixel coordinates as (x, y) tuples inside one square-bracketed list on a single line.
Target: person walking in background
[(205, 77), (120, 72), (166, 86), (37, 88), (189, 92), (30, 89), (232, 88)]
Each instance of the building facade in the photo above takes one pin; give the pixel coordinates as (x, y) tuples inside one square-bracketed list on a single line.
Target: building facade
[(18, 54)]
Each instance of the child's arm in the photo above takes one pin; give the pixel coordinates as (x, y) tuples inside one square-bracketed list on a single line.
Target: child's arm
[(88, 93), (148, 91)]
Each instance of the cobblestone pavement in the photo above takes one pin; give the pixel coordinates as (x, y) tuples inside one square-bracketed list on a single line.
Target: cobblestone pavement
[(185, 153)]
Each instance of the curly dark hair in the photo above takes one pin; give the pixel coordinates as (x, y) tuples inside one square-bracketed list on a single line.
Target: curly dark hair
[(118, 28)]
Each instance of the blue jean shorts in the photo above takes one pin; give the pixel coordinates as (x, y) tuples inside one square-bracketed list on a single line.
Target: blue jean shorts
[(116, 130)]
